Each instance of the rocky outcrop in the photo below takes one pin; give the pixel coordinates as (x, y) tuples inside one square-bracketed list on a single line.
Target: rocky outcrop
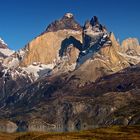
[(7, 126), (40, 125)]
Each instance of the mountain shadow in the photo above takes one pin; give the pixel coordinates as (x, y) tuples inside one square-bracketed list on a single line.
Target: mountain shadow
[(68, 41)]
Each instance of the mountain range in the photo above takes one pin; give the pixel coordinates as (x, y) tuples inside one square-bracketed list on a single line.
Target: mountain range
[(70, 77)]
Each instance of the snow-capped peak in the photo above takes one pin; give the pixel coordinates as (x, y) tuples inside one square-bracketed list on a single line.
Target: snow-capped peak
[(4, 50), (69, 15), (2, 42)]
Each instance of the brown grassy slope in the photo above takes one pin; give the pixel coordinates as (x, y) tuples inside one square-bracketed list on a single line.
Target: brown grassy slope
[(6, 136), (111, 133)]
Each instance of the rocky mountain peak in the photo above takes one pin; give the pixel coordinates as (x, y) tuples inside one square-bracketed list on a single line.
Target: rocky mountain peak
[(3, 45), (4, 50), (94, 25), (114, 41), (66, 22), (94, 35), (94, 21)]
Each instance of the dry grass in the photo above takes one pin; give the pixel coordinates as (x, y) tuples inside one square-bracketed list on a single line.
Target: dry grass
[(111, 133), (7, 136)]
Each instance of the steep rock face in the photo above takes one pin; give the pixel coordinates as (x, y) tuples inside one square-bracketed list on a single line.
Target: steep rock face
[(115, 43), (114, 60), (47, 47)]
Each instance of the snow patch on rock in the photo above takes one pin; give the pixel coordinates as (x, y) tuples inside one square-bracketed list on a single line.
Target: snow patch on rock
[(69, 15), (39, 70), (6, 52), (2, 41)]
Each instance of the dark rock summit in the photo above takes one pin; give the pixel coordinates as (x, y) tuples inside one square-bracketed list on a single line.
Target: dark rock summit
[(94, 21), (66, 22)]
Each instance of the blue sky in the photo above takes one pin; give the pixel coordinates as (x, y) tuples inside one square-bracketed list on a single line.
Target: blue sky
[(22, 20)]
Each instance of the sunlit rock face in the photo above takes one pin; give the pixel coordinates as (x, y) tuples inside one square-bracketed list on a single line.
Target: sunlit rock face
[(49, 47)]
